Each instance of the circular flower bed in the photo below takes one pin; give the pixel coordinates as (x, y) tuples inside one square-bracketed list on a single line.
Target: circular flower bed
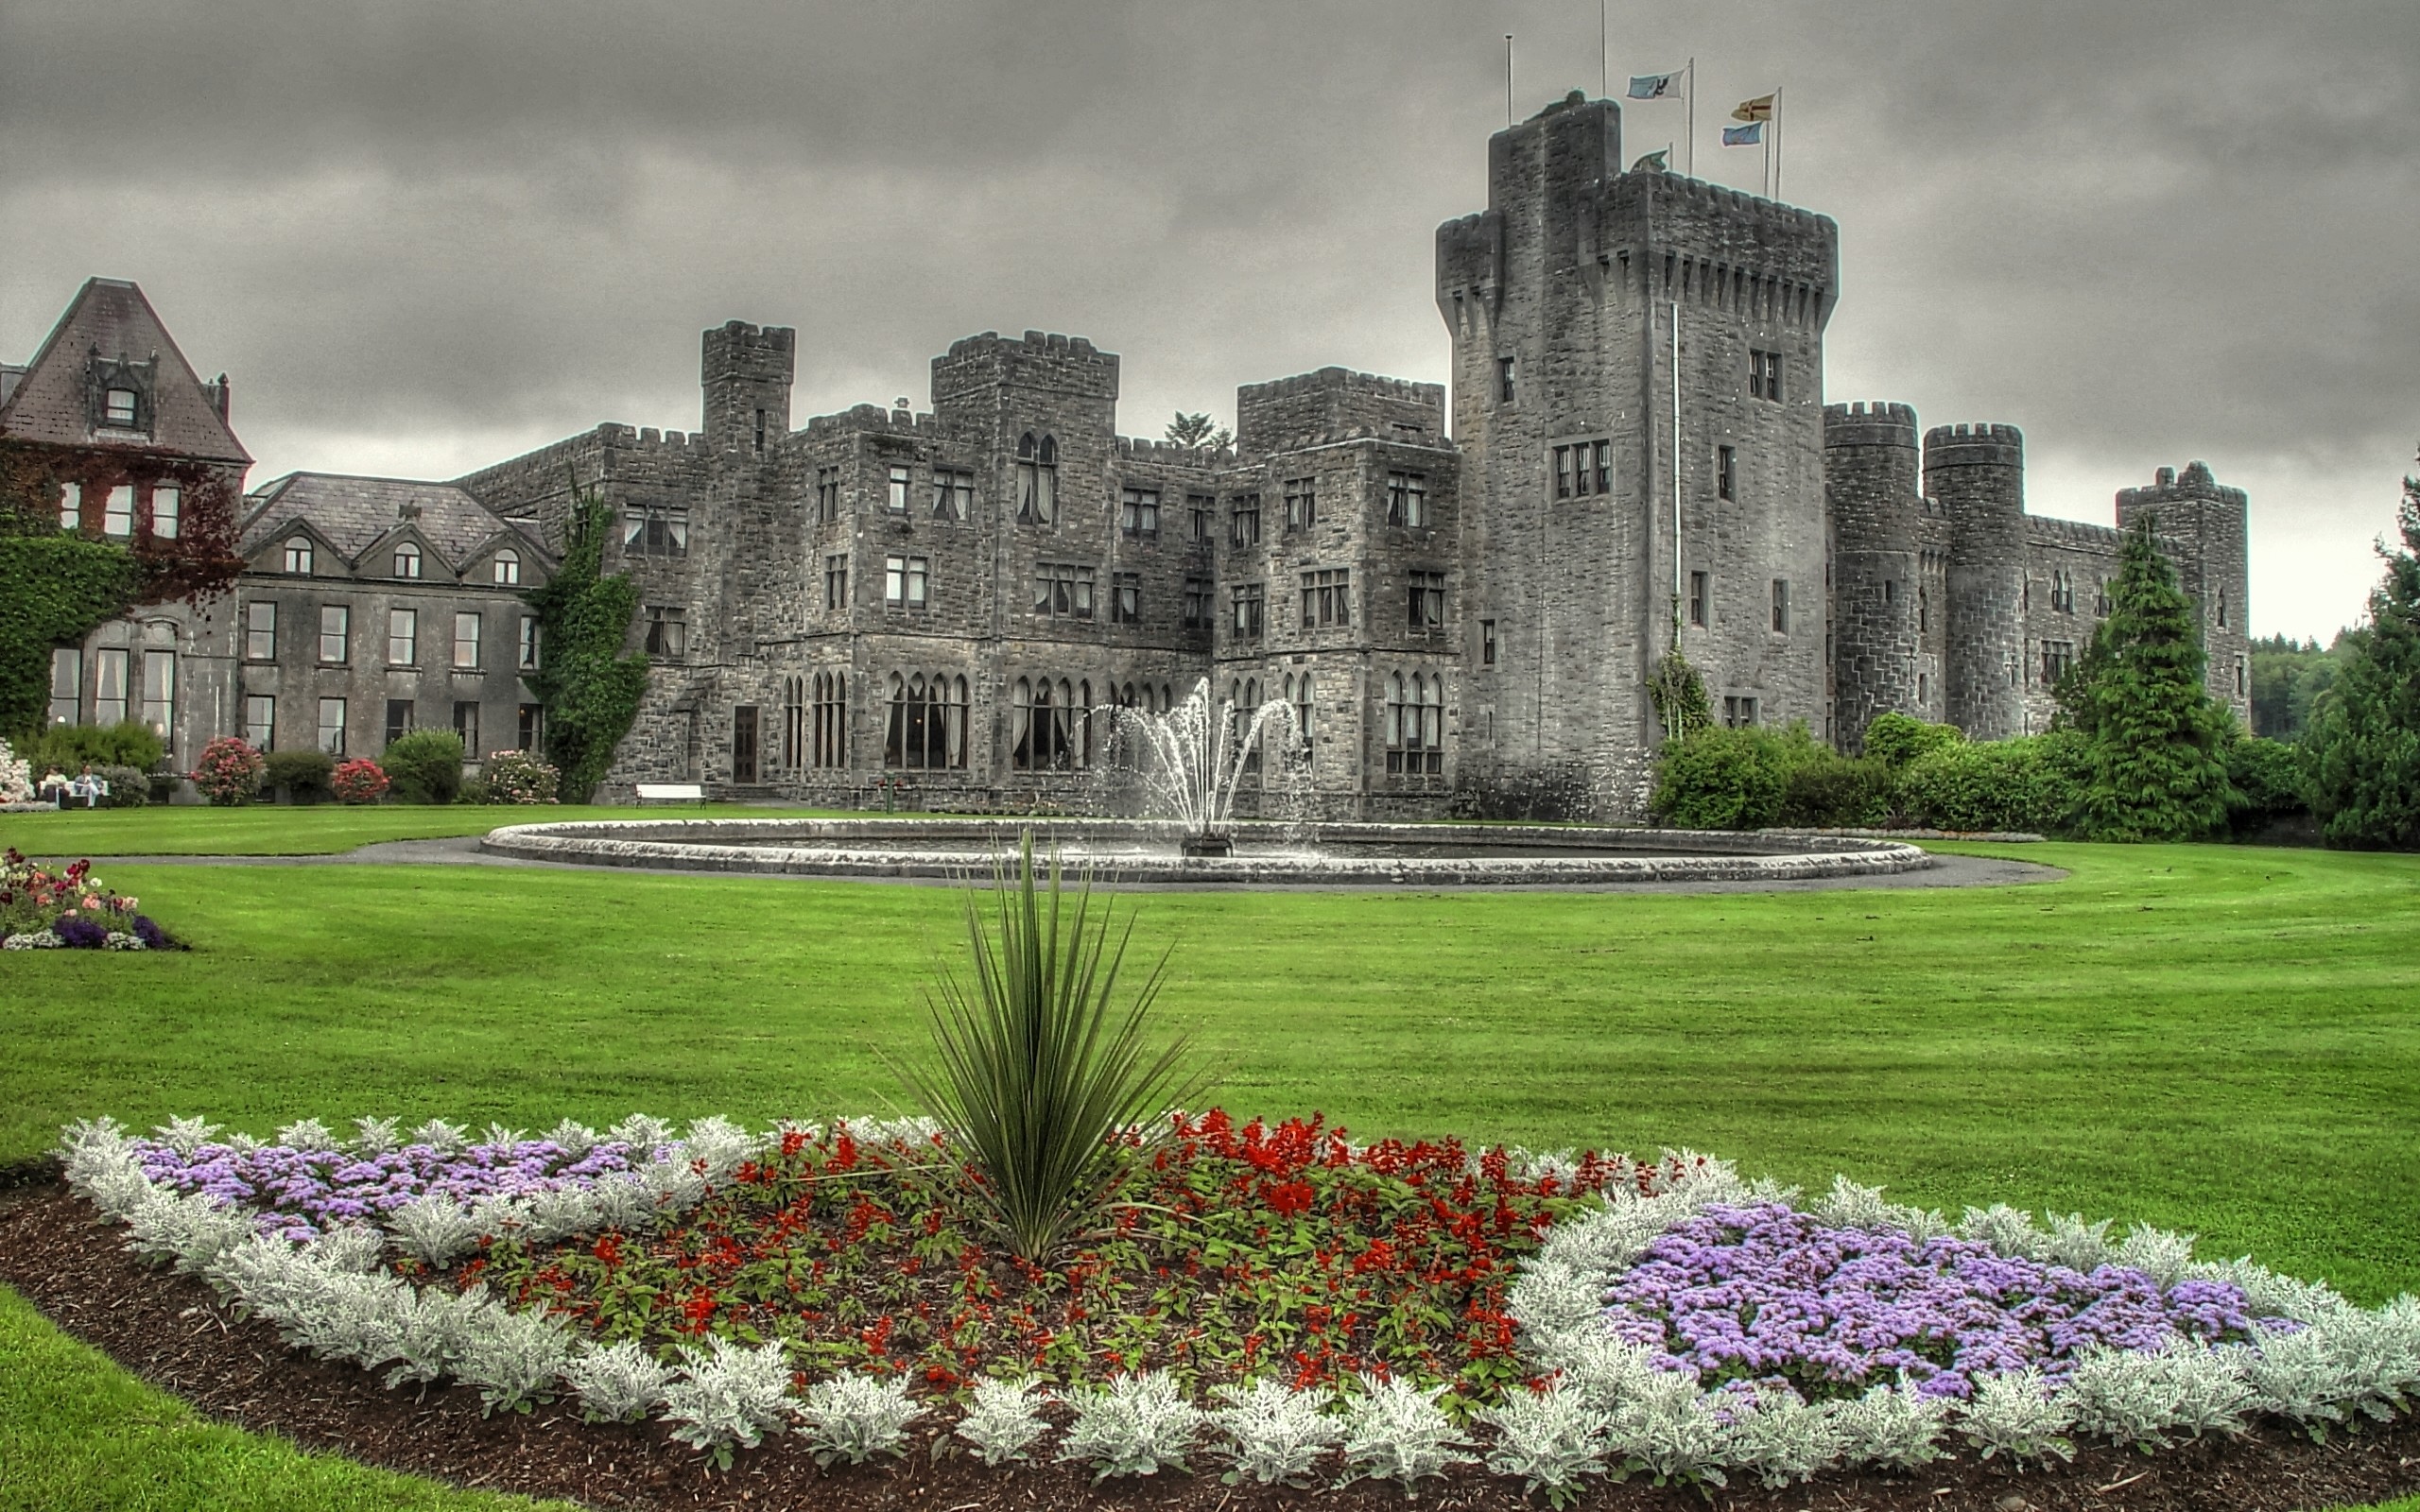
[(1274, 1297), (69, 909)]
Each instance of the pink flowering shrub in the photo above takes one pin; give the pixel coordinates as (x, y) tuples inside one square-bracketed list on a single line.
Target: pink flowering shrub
[(521, 777), (359, 781), (69, 909), (229, 772)]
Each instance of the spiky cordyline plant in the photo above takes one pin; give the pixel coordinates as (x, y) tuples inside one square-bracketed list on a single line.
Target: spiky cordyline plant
[(1036, 1074)]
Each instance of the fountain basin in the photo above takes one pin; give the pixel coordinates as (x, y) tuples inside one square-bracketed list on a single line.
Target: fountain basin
[(1148, 853)]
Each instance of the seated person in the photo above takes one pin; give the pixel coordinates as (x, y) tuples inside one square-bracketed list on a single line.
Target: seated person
[(88, 787), (53, 787)]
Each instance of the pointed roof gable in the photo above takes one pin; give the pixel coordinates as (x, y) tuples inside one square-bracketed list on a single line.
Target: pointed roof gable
[(51, 401), (354, 513)]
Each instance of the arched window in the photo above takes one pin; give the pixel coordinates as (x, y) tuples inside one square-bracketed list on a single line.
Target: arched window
[(1021, 712), (1037, 479), (793, 722), (298, 554), (508, 569), (831, 720), (954, 725), (1432, 721), (1083, 711), (1299, 694), (406, 561), (1415, 724)]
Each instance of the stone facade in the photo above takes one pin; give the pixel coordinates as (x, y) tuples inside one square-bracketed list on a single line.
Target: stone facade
[(932, 608)]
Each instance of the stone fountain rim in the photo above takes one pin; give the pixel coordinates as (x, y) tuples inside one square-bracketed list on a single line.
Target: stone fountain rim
[(1698, 855)]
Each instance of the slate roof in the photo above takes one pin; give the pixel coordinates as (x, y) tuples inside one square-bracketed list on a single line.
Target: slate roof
[(48, 403), (354, 512)]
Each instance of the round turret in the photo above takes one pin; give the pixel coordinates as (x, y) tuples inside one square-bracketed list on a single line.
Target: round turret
[(1977, 474), (1870, 467)]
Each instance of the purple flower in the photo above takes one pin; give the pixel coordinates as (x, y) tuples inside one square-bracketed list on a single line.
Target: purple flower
[(80, 933)]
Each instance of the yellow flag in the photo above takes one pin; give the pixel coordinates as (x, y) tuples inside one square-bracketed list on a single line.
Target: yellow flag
[(1759, 109)]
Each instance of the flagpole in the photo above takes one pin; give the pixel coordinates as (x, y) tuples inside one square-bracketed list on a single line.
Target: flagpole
[(1508, 78), (1691, 101), (1604, 55), (1776, 142), (1676, 471)]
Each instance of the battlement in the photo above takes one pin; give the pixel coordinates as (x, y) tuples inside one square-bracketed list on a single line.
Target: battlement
[(2075, 534), (1331, 404), (1044, 360), (1881, 424), (738, 349), (1723, 201), (1977, 445), (877, 420), (2196, 484), (627, 436)]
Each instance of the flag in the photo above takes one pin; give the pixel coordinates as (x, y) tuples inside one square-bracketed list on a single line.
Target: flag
[(1759, 109), (1654, 86), (1744, 136), (1659, 160)]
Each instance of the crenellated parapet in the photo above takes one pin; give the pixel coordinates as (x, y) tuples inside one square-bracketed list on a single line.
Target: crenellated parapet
[(1336, 404), (1041, 361)]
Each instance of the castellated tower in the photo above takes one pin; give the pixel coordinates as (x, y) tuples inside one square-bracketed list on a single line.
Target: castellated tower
[(1977, 475), (1890, 552), (1564, 298), (2203, 529), (746, 371)]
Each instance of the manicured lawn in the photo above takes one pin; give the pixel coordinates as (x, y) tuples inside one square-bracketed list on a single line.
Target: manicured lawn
[(76, 1431), (2216, 1039), (271, 830)]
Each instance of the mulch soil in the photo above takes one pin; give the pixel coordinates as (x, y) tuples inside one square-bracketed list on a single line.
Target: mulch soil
[(172, 1333)]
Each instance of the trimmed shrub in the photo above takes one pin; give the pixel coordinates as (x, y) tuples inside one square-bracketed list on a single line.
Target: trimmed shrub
[(520, 777), (1899, 741), (303, 776), (425, 767), (129, 742), (359, 781), (1751, 778), (229, 772), (2271, 778), (2031, 782), (129, 787)]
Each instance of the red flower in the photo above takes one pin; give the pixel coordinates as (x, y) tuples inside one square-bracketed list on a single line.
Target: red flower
[(1291, 1198)]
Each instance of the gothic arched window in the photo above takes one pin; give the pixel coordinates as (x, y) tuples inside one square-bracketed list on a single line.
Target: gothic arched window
[(1037, 479), (793, 722)]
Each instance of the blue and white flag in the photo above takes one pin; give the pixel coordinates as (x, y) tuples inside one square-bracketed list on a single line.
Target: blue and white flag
[(1744, 136), (1656, 86)]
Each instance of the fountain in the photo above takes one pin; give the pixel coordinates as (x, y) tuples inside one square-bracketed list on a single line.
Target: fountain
[(1184, 768), (1193, 759)]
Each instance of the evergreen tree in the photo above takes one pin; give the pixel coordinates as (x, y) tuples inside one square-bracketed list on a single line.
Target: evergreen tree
[(2156, 741), (1198, 432), (2364, 735), (589, 690)]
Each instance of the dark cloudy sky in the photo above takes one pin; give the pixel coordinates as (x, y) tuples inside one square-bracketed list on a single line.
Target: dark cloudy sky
[(424, 236)]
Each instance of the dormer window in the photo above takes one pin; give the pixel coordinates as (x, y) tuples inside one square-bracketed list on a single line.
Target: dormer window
[(117, 408), (407, 561), (508, 566), (298, 555)]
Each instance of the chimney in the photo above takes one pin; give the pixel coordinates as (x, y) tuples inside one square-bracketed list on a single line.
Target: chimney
[(222, 397)]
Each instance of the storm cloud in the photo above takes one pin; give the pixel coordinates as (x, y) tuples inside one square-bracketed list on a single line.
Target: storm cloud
[(422, 236)]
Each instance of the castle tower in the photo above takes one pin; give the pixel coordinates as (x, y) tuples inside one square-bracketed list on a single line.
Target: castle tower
[(1887, 551), (2204, 528), (746, 371), (1562, 299), (1977, 475)]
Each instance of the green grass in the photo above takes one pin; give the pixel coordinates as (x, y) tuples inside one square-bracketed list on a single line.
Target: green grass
[(77, 1432), (272, 829), (2217, 1039)]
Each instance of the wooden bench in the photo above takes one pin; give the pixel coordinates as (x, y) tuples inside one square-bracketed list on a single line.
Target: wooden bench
[(670, 793)]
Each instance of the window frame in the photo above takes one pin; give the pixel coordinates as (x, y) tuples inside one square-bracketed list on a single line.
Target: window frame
[(341, 634), (403, 630), (260, 640), (479, 628)]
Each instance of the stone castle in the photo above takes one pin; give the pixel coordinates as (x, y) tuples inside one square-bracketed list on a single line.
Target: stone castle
[(930, 605)]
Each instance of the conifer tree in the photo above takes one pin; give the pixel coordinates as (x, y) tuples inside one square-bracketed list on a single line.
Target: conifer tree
[(2156, 741), (589, 690), (2364, 736)]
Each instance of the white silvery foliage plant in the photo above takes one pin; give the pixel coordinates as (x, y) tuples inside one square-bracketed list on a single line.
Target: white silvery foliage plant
[(514, 1359), (728, 1395), (376, 1136), (1004, 1420), (2268, 1295), (187, 1229), (1895, 1428), (502, 1136), (854, 1417), (2143, 1395), (616, 1383), (436, 1328), (1849, 1205), (642, 1133), (1780, 1439), (1274, 1435), (184, 1135), (434, 1227), (2165, 1257), (2075, 1244), (1669, 1429), (1395, 1431), (2009, 1230), (623, 1201), (2015, 1415), (1551, 1438), (1132, 1426), (573, 1138), (719, 1145), (2345, 1363), (307, 1134), (444, 1137), (1561, 1292), (559, 1213)]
